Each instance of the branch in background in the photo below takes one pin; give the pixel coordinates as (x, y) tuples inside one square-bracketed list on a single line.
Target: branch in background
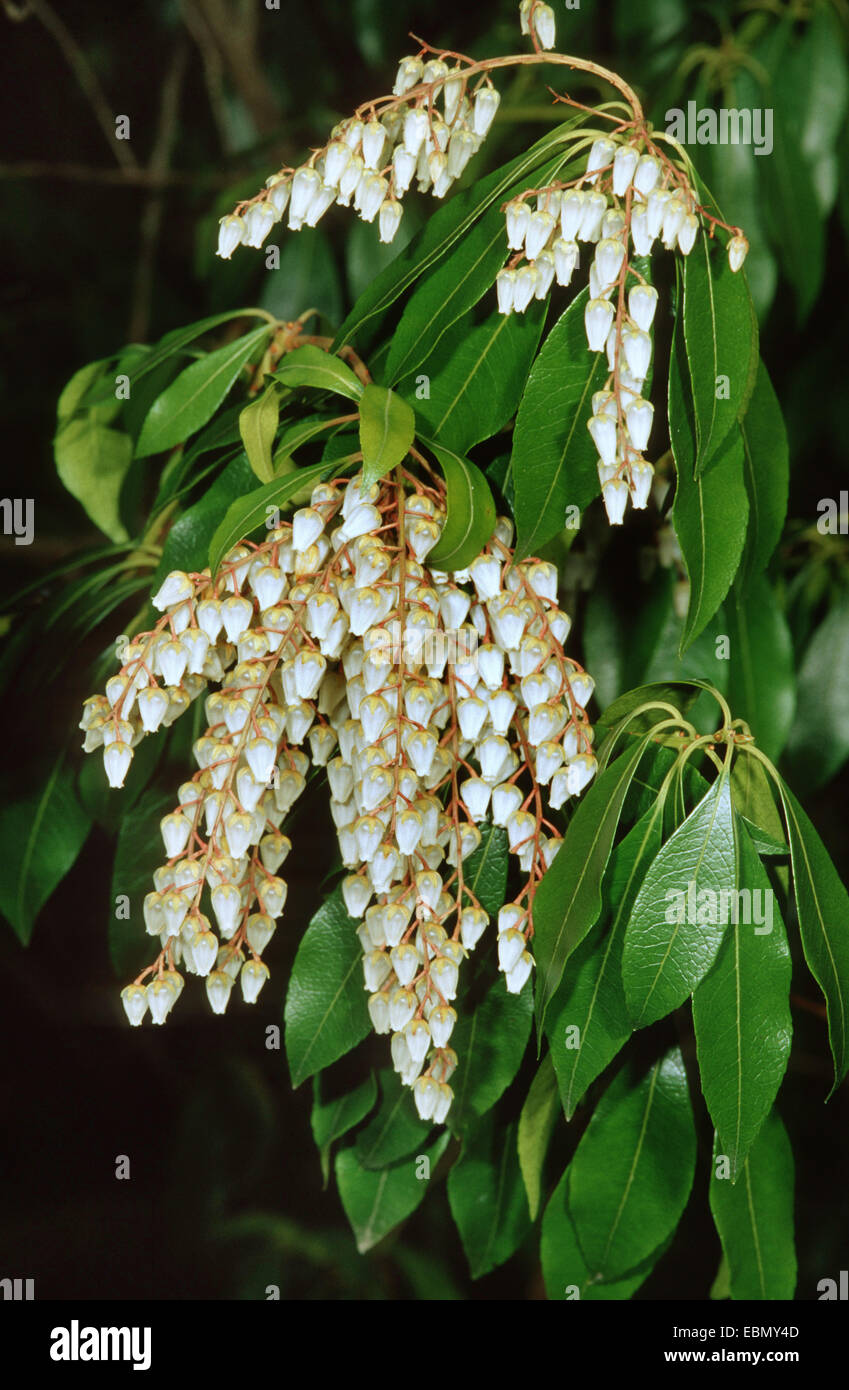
[(125, 178), (87, 78), (152, 212), (226, 32)]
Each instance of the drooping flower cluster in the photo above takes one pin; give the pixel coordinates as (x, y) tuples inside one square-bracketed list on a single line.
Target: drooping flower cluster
[(630, 196), (372, 159), (435, 702)]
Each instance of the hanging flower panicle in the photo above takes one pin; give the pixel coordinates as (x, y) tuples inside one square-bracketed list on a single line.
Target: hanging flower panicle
[(434, 701), (630, 195)]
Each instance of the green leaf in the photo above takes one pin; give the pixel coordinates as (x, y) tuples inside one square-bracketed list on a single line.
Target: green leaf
[(296, 434), (247, 513), (476, 377), (43, 831), (709, 513), (490, 1044), (312, 366), (567, 1276), (442, 231), (553, 463), (470, 511), (741, 1013), (485, 870), (721, 341), (754, 1218), (674, 933), (187, 544), (487, 1198), (822, 905), (78, 390), (258, 426), (568, 900), (395, 1130), (376, 1202), (92, 460), (633, 1169), (766, 471), (536, 1122), (762, 669), (326, 1013), (179, 338), (195, 395), (387, 431), (818, 745), (591, 998), (330, 1119), (138, 854)]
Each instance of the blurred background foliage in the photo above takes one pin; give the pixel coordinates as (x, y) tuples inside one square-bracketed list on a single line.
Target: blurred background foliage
[(109, 242)]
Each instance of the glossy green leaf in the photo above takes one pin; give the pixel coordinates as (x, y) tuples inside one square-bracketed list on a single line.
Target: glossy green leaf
[(312, 366), (741, 1012), (138, 854), (326, 1013), (187, 543), (93, 460), (490, 1042), (395, 1130), (79, 390), (632, 1172), (487, 1198), (568, 900), (330, 1119), (762, 667), (766, 469), (297, 433), (258, 426), (588, 1021), (822, 905), (247, 513), (442, 231), (387, 431), (470, 511), (536, 1123), (709, 513), (676, 927), (818, 745), (179, 338), (721, 341), (376, 1202), (754, 800), (553, 463), (754, 1217), (43, 831), (196, 394), (485, 870), (567, 1276), (476, 377)]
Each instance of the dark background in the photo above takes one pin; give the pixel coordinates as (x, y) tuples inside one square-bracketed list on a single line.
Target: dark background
[(225, 1192)]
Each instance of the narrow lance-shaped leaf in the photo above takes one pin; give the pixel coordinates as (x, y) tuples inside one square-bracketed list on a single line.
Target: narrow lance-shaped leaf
[(822, 905), (395, 1130), (387, 431), (326, 1013), (709, 513), (754, 1216), (553, 463), (567, 1276), (818, 745), (196, 394), (633, 1169), (487, 1198), (536, 1122), (490, 1044), (43, 832), (258, 426), (330, 1119), (568, 899), (741, 1013), (376, 1202), (766, 471), (762, 667), (311, 366), (588, 1021), (470, 511), (676, 926), (247, 513), (720, 336)]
